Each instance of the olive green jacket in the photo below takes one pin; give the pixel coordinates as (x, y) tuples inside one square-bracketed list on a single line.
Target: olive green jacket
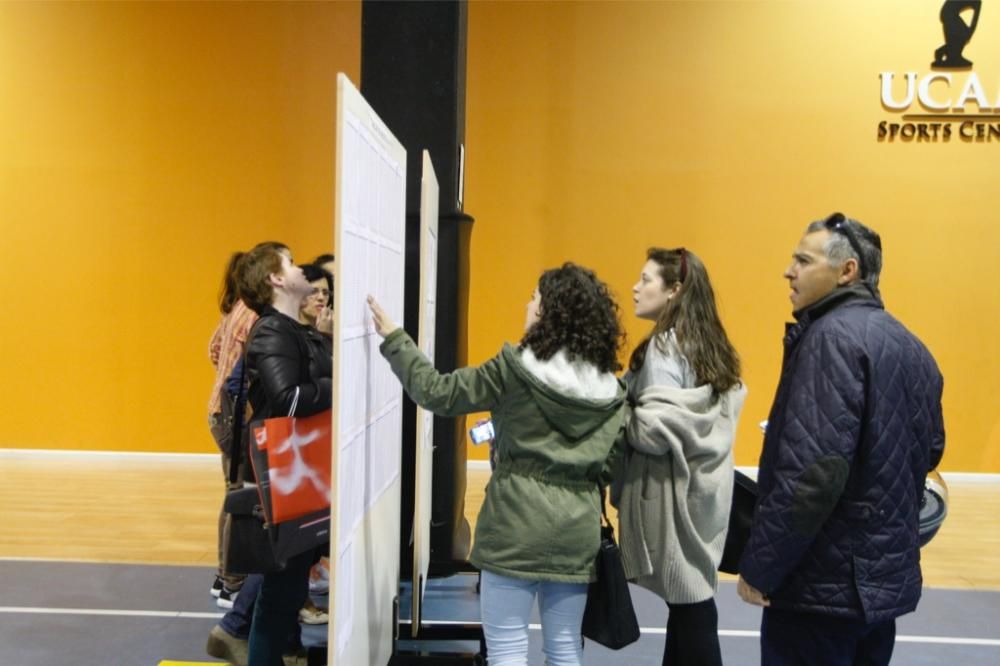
[(541, 516)]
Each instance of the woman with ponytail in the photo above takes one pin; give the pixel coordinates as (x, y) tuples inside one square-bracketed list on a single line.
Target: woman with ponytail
[(224, 350), (675, 492)]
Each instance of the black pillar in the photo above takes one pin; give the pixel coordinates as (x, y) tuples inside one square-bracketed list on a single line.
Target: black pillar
[(413, 75)]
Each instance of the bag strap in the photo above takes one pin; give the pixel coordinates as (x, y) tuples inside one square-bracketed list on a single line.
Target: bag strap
[(239, 411), (604, 506)]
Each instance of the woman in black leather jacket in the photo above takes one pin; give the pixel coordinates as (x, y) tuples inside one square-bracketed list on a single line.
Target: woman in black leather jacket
[(285, 360)]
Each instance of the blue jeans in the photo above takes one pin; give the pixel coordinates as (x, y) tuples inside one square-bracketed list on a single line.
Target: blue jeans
[(276, 613), (236, 622), (505, 606)]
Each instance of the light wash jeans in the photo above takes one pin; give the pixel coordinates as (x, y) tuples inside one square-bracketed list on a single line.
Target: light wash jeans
[(505, 605)]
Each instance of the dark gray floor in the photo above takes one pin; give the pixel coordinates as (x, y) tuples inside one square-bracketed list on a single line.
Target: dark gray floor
[(185, 612), (943, 615), (51, 614)]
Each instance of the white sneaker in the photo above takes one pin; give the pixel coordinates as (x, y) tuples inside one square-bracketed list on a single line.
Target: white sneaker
[(226, 598), (313, 614)]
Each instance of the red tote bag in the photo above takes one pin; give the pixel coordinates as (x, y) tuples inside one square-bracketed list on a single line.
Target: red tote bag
[(298, 464)]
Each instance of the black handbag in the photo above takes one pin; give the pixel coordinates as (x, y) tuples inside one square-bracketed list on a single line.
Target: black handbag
[(248, 540), (740, 520), (609, 617), (249, 547), (222, 429)]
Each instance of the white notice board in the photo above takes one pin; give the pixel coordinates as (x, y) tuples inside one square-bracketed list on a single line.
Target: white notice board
[(370, 232), (429, 195)]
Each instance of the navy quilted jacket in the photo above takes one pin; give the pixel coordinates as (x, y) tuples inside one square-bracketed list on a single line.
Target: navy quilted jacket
[(855, 427)]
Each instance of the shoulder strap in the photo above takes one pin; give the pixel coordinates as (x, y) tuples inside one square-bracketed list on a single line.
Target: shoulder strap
[(604, 505), (239, 411)]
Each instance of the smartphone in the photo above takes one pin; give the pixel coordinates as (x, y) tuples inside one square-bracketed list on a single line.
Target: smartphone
[(482, 432)]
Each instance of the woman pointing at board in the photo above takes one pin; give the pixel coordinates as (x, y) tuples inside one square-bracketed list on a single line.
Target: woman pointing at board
[(557, 411)]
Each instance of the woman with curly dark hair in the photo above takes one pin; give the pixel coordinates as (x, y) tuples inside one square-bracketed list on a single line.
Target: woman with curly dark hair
[(684, 385), (557, 412)]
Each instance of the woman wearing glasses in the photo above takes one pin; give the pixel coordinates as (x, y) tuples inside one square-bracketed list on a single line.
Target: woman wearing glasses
[(316, 310), (675, 493)]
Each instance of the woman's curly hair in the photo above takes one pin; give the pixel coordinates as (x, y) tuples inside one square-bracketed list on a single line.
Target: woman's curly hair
[(577, 314)]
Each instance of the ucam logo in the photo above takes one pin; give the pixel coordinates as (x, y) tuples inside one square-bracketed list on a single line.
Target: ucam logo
[(943, 95)]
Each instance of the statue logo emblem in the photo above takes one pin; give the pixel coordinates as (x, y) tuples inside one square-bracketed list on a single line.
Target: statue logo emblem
[(957, 33), (934, 105)]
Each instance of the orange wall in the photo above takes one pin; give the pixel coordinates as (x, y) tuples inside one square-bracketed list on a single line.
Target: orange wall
[(595, 130), (139, 145)]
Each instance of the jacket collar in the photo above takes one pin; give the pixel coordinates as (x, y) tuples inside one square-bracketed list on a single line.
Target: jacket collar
[(268, 311), (857, 292), (575, 378), (574, 413)]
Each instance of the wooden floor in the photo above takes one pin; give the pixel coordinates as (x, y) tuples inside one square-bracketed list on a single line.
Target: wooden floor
[(164, 510)]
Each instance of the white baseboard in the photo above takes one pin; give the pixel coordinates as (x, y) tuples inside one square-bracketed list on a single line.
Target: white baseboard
[(971, 478), (26, 454), (949, 477)]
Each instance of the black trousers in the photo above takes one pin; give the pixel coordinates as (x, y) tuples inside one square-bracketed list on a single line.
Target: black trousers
[(693, 635), (789, 638)]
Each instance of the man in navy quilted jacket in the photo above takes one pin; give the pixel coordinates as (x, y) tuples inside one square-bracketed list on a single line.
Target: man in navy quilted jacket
[(833, 555)]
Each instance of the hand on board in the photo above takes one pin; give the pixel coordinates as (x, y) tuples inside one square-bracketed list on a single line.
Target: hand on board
[(383, 324)]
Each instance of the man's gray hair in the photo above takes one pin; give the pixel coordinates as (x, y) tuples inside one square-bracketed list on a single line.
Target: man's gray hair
[(838, 247)]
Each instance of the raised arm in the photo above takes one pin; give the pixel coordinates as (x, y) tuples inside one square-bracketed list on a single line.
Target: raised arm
[(447, 394)]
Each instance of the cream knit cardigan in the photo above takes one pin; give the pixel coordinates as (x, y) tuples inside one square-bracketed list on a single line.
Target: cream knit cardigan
[(677, 489)]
